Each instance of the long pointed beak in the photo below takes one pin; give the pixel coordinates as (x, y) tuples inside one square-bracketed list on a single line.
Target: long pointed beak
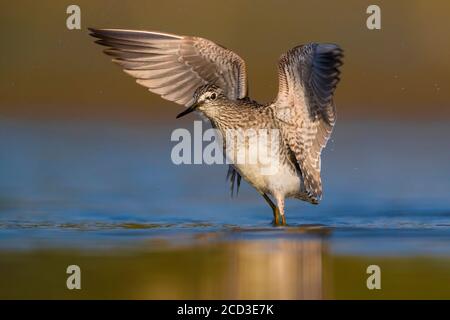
[(188, 110)]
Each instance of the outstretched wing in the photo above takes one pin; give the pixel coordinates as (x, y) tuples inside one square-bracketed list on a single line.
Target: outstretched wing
[(174, 66), (308, 76)]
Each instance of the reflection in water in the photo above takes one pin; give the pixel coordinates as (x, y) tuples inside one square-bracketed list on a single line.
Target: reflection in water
[(240, 269), (280, 269), (288, 267), (298, 267)]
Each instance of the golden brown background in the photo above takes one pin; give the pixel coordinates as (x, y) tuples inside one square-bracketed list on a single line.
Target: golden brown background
[(48, 71)]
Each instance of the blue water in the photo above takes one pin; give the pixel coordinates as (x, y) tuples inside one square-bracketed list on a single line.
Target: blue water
[(89, 185)]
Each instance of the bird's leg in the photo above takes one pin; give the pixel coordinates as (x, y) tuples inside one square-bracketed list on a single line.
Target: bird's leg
[(276, 216), (280, 204), (276, 212)]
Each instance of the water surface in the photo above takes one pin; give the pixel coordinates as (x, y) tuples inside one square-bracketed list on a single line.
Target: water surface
[(107, 197)]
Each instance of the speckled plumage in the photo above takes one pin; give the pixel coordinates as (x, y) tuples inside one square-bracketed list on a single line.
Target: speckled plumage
[(211, 79)]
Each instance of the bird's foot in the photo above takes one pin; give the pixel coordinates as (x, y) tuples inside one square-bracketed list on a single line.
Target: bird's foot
[(283, 220), (278, 219)]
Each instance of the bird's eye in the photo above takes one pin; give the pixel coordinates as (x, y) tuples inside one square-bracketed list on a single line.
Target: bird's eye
[(213, 96)]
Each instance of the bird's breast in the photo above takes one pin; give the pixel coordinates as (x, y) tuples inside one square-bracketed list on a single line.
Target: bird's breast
[(261, 159)]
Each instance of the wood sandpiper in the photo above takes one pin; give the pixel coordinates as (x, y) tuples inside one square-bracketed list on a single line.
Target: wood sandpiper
[(211, 79)]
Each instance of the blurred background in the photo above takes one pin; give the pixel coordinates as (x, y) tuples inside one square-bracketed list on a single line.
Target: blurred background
[(86, 176), (399, 71)]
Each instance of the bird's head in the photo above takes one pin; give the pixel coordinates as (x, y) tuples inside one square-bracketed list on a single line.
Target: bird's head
[(207, 99)]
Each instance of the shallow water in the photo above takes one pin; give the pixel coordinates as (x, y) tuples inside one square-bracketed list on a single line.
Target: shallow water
[(108, 198)]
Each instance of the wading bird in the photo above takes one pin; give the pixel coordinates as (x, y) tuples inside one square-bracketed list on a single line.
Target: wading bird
[(211, 79)]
